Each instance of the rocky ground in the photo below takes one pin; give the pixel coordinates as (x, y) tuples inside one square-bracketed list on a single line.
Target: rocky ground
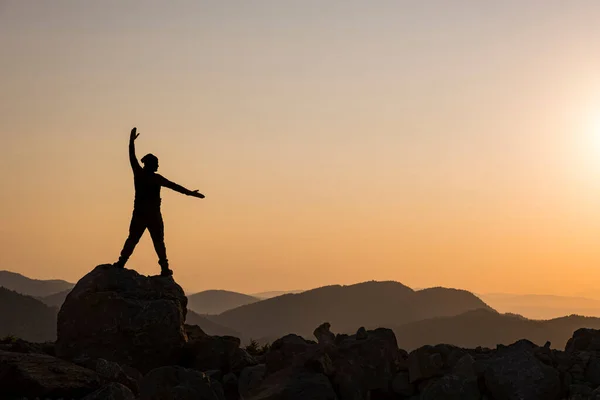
[(123, 336)]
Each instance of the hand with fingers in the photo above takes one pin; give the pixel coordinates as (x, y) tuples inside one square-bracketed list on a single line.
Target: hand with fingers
[(197, 194), (134, 135)]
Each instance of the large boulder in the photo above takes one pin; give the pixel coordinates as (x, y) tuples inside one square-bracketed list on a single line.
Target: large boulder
[(284, 350), (40, 375), (223, 353), (584, 339), (514, 373), (178, 383), (433, 361), (364, 365), (360, 366), (122, 316)]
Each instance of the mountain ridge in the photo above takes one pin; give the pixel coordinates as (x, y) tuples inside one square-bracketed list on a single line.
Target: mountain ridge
[(32, 287), (26, 317), (370, 304), (218, 301), (487, 328)]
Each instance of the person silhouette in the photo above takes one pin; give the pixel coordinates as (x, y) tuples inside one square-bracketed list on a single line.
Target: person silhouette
[(146, 206)]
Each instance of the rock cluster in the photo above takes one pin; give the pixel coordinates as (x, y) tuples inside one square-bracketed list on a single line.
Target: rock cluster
[(107, 350), (368, 365)]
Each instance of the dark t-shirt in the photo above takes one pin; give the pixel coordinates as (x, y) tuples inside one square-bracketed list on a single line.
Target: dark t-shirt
[(148, 184), (147, 189)]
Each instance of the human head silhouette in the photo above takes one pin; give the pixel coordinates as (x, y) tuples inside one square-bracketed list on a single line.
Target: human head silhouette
[(150, 162)]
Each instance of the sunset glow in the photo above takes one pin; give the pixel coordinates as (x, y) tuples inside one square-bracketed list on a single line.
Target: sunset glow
[(433, 143)]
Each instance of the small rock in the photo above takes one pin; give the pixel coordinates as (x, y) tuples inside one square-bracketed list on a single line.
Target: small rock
[(204, 352), (361, 334), (465, 367), (291, 384), (323, 334), (250, 379), (39, 375), (402, 386), (452, 387), (112, 391), (424, 363), (584, 339), (284, 350), (113, 372), (179, 383), (340, 337), (578, 373), (402, 362), (592, 372), (230, 386), (581, 390), (214, 374)]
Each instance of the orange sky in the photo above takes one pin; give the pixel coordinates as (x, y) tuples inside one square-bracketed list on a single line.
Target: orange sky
[(432, 143)]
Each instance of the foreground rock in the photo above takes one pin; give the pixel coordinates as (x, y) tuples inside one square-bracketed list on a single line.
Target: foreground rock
[(112, 391), (584, 340), (364, 366), (361, 366), (204, 352), (515, 373), (250, 379), (179, 383), (17, 345), (290, 384), (122, 316), (39, 375), (369, 366)]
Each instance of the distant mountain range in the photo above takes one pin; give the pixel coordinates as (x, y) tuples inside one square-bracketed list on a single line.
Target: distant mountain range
[(25, 317), (218, 301), (32, 287), (488, 328), (208, 326), (418, 317), (369, 304), (275, 293), (537, 306), (56, 299)]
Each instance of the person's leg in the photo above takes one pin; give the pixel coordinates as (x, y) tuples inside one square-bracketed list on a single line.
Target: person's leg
[(136, 230), (157, 232)]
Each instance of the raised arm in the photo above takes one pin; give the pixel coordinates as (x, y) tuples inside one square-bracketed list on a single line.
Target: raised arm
[(135, 165), (178, 188)]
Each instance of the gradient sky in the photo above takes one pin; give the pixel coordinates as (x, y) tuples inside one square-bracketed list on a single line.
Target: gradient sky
[(436, 143)]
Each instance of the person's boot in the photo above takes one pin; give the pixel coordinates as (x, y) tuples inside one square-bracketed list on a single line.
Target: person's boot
[(164, 268), (120, 263)]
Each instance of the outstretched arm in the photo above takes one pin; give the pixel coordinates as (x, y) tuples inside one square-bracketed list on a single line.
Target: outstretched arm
[(173, 186), (135, 165)]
